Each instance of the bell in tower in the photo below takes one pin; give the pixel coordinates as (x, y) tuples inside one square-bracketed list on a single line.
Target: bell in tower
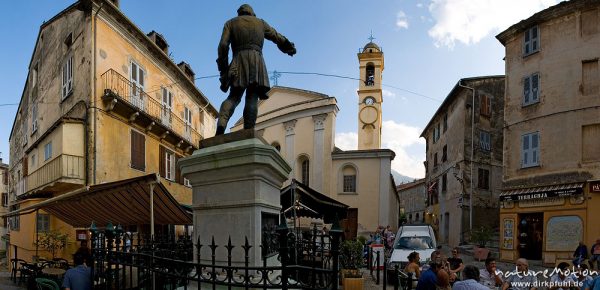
[(370, 97)]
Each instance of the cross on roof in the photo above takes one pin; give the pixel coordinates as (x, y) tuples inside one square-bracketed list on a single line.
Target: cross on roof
[(275, 76), (371, 37)]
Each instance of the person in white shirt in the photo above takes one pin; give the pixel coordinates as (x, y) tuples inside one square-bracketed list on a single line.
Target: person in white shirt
[(522, 279)]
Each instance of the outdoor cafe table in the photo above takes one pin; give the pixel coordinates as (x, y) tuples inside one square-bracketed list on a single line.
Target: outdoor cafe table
[(54, 272)]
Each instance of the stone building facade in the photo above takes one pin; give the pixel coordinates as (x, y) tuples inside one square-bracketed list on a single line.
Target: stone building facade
[(413, 196), (464, 159), (551, 186)]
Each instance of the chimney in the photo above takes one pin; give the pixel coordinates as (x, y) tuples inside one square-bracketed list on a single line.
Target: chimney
[(187, 70), (159, 40)]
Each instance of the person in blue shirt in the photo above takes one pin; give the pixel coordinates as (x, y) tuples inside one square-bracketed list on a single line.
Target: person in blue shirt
[(428, 279), (80, 277), (580, 254), (471, 280)]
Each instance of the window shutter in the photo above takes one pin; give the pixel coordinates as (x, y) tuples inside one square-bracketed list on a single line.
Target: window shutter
[(534, 39), (534, 87), (178, 177), (526, 44), (133, 149), (534, 148), (525, 150), (138, 151), (25, 166), (161, 161), (526, 89)]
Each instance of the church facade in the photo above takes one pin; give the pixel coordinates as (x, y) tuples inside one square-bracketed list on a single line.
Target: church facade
[(300, 124)]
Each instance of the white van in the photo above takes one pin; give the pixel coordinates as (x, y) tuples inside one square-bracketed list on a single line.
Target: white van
[(412, 238)]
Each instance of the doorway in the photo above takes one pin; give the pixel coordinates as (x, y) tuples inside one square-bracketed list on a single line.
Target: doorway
[(531, 235)]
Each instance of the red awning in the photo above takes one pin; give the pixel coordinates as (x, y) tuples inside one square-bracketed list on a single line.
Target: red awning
[(124, 202)]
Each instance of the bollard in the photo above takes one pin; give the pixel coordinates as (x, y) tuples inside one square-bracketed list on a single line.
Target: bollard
[(378, 272)]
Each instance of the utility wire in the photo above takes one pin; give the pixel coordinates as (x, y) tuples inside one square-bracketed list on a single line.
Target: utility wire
[(317, 74)]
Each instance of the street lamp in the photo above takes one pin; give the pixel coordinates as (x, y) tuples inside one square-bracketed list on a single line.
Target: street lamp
[(472, 149)]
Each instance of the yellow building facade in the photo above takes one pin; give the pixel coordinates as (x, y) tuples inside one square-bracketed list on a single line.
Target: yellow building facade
[(551, 154), (103, 102)]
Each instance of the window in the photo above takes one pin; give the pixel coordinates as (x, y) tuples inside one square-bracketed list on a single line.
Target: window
[(187, 182), (591, 136), (436, 133), (43, 223), (349, 179), (34, 114), (305, 171), (531, 85), (34, 73), (15, 223), (33, 160), (485, 108), (137, 79), (445, 153), (167, 104), (530, 150), (484, 179), (67, 77), (445, 122), (169, 165), (532, 41), (48, 151), (138, 151), (589, 22), (187, 119), (590, 77), (435, 160), (485, 141), (444, 183), (4, 199)]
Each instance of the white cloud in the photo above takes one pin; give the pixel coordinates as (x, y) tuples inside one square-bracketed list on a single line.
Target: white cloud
[(419, 5), (469, 21), (401, 20), (389, 94), (346, 141), (397, 137)]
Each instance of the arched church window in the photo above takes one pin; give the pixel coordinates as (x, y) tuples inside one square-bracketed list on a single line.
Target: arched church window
[(277, 146), (349, 174), (305, 171)]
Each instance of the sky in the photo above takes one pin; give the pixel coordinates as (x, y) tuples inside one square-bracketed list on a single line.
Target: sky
[(428, 46)]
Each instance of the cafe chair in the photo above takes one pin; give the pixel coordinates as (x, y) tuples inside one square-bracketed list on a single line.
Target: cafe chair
[(27, 271), (46, 284), (16, 268), (61, 263)]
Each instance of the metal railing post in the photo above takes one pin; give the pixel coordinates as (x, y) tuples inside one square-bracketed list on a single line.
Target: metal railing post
[(378, 264), (283, 231)]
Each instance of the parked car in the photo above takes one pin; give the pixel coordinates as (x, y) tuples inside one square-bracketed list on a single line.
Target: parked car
[(411, 238)]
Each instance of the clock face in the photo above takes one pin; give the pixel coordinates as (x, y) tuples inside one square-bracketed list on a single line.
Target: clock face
[(369, 101)]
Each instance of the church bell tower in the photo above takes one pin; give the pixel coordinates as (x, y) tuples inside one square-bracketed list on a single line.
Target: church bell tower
[(370, 96)]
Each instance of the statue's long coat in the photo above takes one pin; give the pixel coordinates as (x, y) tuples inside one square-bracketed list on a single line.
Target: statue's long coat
[(246, 34)]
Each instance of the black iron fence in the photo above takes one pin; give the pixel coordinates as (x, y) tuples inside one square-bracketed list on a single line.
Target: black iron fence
[(305, 260)]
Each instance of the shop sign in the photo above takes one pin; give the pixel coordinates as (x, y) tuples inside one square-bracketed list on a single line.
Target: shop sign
[(543, 194), (595, 186), (551, 201)]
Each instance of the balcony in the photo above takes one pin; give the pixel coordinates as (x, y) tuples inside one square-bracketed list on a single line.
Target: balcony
[(63, 173), (123, 98)]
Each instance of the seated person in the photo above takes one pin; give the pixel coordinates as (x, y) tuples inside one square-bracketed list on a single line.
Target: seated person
[(563, 281), (488, 276), (80, 277), (455, 265), (413, 269)]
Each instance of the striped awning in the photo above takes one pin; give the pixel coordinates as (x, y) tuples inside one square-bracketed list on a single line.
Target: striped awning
[(541, 192), (124, 202)]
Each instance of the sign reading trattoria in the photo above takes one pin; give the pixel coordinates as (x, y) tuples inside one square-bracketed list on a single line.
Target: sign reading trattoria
[(542, 194)]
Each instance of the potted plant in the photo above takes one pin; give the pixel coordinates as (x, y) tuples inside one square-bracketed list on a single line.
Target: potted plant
[(481, 237), (351, 260), (52, 241)]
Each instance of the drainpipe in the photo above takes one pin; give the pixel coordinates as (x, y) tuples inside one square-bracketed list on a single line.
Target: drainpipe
[(471, 196), (93, 77)]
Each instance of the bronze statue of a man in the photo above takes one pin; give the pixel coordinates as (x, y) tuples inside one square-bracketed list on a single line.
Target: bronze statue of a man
[(247, 71)]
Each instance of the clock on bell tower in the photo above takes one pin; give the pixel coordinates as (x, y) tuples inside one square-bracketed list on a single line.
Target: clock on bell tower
[(370, 96)]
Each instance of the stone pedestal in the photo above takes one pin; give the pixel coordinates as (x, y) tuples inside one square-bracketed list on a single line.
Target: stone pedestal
[(236, 180)]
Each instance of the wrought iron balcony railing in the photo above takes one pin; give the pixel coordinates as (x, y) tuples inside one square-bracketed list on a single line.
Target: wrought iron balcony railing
[(119, 86)]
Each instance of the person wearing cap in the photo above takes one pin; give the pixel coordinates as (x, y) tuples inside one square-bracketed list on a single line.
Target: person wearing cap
[(247, 71)]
